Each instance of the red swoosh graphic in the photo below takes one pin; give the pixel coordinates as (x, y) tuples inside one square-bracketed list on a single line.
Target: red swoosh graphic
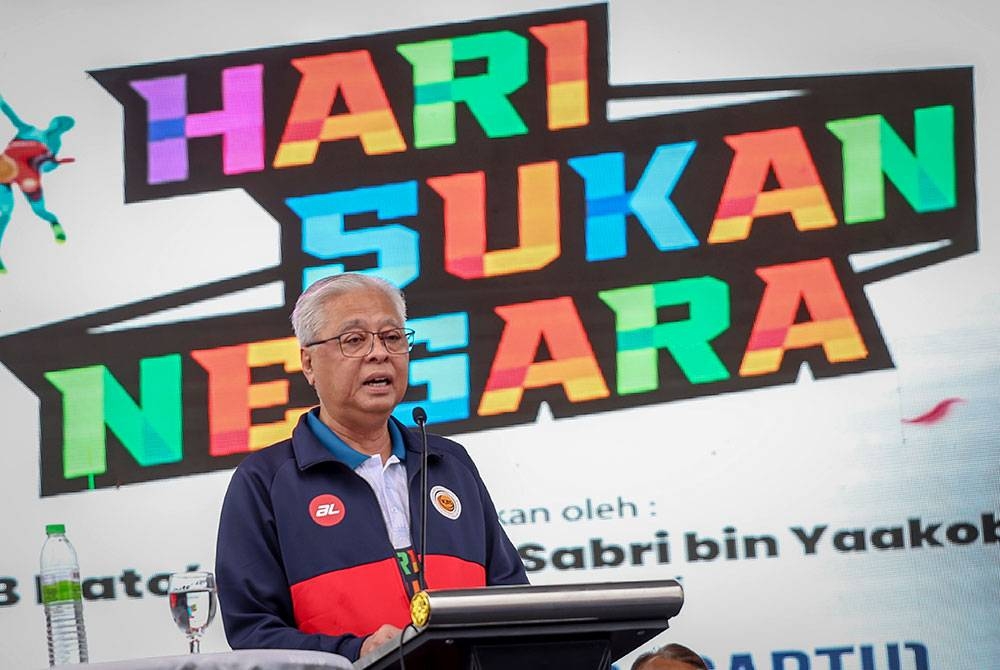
[(939, 412)]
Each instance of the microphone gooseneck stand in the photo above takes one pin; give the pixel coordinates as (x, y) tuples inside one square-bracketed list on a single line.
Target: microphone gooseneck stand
[(420, 418)]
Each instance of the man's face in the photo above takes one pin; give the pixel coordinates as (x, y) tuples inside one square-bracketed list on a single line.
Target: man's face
[(357, 392)]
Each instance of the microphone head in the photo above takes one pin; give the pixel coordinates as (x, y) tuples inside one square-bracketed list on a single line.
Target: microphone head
[(419, 416)]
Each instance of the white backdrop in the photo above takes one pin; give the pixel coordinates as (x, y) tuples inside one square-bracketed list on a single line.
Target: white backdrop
[(833, 452)]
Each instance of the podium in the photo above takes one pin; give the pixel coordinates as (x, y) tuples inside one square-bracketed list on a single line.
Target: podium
[(566, 627)]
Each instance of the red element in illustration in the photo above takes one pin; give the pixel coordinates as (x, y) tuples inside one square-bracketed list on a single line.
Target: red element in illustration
[(939, 412)]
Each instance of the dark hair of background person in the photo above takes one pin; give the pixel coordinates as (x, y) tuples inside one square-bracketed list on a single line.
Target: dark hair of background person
[(672, 652)]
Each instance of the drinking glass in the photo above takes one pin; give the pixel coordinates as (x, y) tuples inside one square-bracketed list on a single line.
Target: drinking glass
[(192, 604)]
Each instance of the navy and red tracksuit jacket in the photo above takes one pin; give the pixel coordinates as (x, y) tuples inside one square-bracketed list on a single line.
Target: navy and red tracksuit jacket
[(304, 559)]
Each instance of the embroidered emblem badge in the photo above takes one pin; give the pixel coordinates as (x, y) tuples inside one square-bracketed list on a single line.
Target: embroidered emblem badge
[(446, 502)]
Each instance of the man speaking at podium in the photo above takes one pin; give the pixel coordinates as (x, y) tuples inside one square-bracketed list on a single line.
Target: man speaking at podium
[(319, 534)]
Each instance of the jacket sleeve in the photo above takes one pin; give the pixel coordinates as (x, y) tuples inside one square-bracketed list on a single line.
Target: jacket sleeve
[(503, 563), (253, 590)]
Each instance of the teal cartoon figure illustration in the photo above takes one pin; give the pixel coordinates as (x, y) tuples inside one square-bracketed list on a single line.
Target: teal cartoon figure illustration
[(31, 153)]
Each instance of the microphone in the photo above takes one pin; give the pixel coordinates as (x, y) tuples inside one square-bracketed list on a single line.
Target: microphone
[(420, 418)]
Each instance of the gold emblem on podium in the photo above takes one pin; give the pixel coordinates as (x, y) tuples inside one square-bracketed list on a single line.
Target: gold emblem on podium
[(420, 609)]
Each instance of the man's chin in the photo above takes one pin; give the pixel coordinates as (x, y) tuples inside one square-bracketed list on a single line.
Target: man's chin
[(381, 402)]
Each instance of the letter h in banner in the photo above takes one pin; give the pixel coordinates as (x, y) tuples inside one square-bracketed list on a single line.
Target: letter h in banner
[(170, 126)]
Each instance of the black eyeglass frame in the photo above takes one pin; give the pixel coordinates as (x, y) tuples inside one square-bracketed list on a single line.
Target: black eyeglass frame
[(408, 333)]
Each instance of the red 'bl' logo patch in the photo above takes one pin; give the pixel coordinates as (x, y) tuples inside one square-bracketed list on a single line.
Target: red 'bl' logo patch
[(327, 510)]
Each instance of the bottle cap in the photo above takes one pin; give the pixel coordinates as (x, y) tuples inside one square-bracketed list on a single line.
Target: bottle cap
[(55, 529)]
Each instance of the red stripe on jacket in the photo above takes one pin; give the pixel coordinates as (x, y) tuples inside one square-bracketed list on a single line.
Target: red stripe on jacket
[(360, 599), (449, 572)]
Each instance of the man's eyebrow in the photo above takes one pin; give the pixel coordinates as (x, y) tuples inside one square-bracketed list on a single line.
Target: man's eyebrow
[(358, 324)]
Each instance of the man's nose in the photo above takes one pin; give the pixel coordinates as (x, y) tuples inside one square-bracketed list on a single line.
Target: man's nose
[(379, 350)]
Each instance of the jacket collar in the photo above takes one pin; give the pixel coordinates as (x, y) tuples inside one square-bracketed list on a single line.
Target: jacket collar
[(310, 449), (342, 451)]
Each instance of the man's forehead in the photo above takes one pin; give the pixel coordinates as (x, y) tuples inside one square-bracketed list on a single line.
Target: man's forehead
[(361, 308)]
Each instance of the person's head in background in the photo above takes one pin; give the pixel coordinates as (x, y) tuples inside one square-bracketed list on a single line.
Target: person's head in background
[(670, 657)]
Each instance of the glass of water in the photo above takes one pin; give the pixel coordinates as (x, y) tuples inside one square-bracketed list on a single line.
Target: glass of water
[(192, 604)]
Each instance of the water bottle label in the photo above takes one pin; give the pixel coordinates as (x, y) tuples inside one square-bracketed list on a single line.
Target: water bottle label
[(61, 591)]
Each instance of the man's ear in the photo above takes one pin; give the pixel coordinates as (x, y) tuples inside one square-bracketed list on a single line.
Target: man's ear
[(306, 357)]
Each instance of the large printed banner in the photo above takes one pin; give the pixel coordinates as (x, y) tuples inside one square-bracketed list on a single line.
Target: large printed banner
[(549, 253), (738, 332)]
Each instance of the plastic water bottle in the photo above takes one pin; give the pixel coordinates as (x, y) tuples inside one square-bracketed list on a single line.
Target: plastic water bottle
[(62, 598)]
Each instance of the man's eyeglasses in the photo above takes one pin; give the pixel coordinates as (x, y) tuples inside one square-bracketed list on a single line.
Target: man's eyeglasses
[(360, 343)]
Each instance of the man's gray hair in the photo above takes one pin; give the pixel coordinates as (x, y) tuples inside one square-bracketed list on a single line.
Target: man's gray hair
[(308, 317)]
